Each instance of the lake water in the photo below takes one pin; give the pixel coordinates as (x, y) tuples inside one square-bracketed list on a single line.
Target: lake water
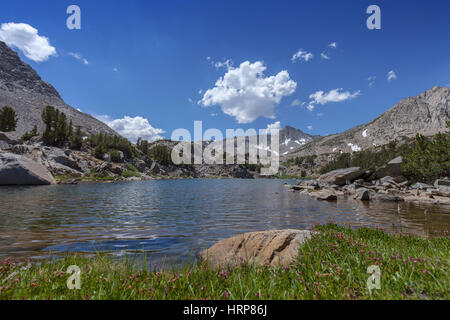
[(171, 220)]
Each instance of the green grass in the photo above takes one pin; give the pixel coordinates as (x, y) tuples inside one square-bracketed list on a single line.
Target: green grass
[(129, 174), (332, 265), (130, 167)]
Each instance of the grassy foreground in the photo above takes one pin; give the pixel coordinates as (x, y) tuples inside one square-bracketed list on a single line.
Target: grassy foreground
[(332, 265)]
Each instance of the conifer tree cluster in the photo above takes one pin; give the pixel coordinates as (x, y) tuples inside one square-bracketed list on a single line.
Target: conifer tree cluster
[(58, 131), (8, 119), (103, 143)]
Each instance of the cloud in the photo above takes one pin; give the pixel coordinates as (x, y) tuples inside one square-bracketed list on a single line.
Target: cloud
[(310, 127), (78, 57), (273, 126), (115, 69), (26, 38), (371, 81), (302, 55), (223, 64), (325, 56), (75, 55), (391, 75), (297, 103), (335, 95), (246, 94), (133, 128)]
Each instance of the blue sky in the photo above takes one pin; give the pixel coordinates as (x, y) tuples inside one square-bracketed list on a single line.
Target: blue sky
[(150, 59)]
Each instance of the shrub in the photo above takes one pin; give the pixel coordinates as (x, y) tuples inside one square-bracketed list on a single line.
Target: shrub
[(115, 156), (132, 168), (99, 151), (28, 135), (129, 174)]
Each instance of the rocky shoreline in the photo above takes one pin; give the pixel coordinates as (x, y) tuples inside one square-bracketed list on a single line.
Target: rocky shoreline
[(385, 184), (33, 163)]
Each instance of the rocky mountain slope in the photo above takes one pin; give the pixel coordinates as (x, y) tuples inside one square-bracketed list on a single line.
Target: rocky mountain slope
[(426, 114), (290, 139), (23, 89)]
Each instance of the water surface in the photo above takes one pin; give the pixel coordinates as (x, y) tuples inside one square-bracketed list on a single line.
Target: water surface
[(171, 220)]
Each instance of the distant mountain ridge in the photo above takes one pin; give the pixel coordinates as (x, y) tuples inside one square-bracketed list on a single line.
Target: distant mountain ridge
[(426, 114), (291, 139), (23, 89)]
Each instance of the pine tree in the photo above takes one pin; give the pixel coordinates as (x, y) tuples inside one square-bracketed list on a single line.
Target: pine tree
[(8, 119)]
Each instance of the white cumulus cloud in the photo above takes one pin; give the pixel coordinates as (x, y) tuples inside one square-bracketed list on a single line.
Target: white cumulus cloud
[(246, 94), (333, 45), (391, 75), (272, 126), (26, 38), (133, 128), (302, 55), (335, 95)]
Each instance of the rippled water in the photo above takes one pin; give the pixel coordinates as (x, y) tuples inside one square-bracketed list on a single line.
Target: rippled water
[(172, 220)]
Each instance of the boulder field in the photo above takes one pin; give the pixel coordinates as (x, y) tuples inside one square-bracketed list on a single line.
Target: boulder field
[(385, 184)]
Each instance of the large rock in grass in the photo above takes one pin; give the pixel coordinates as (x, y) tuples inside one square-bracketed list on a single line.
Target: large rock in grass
[(340, 177), (19, 170), (274, 248)]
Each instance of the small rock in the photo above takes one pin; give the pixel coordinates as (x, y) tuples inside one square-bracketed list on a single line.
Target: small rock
[(363, 194), (324, 195), (421, 186), (442, 183)]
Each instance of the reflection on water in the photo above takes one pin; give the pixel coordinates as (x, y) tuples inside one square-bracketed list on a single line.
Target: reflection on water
[(174, 219)]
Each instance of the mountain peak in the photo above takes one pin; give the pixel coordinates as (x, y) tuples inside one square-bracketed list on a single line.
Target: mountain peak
[(426, 114), (22, 88), (14, 74)]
